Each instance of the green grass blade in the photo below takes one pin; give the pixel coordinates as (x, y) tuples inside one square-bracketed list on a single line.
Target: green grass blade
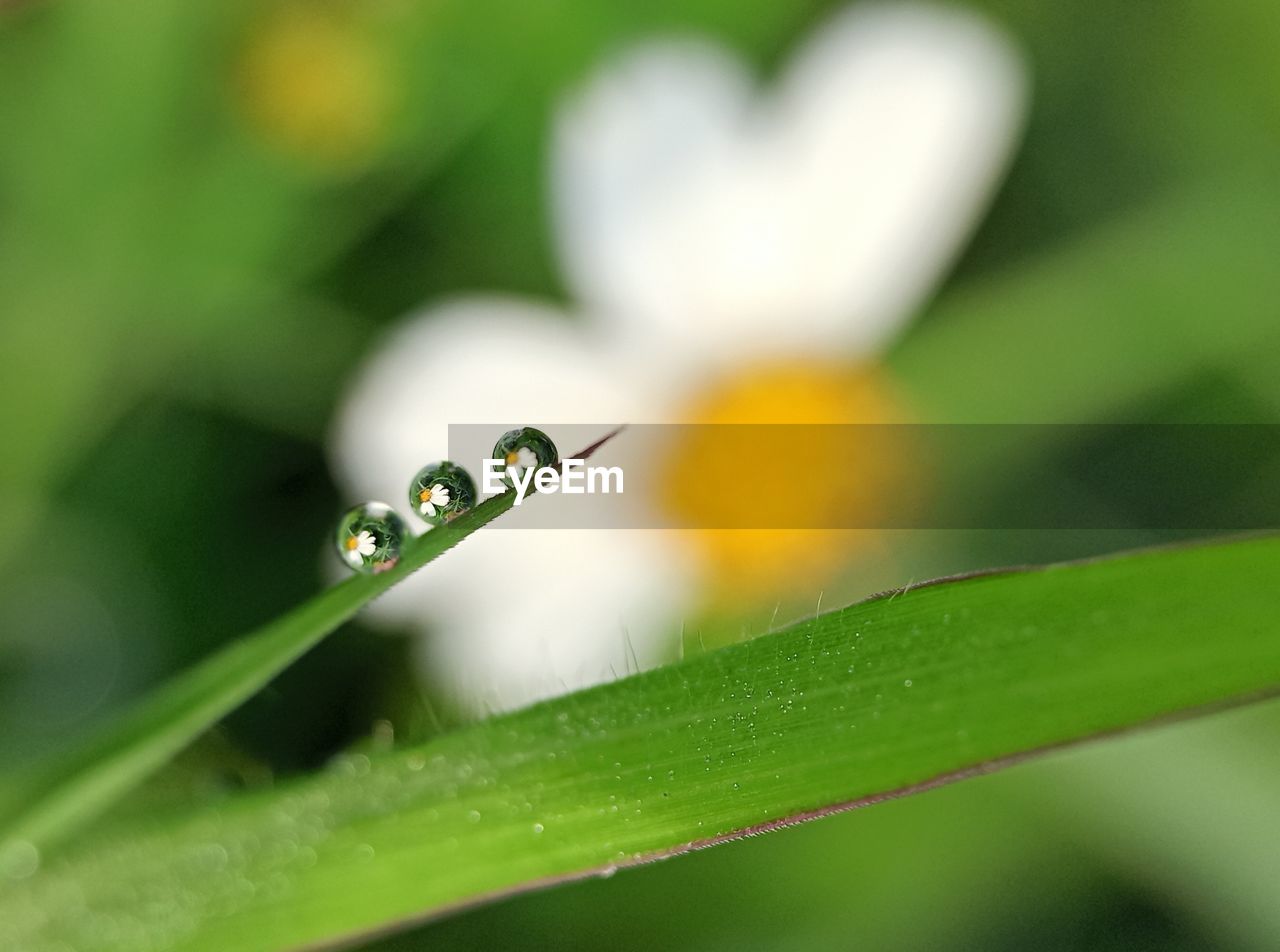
[(888, 696), (54, 799), (74, 788)]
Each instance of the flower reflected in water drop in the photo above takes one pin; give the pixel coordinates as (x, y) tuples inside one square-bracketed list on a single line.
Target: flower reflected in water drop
[(521, 459), (369, 537), (360, 547), (523, 449), (437, 497), (441, 491)]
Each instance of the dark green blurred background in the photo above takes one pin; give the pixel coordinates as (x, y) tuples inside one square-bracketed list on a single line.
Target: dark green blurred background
[(189, 272)]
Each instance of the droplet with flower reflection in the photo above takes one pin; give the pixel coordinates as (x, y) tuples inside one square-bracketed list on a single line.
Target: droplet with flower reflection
[(441, 491), (524, 448), (370, 537)]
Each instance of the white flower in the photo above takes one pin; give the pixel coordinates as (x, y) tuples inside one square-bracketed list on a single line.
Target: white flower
[(437, 497), (519, 460), (704, 228), (360, 547)]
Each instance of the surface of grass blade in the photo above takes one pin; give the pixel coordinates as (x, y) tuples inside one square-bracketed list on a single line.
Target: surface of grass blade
[(891, 695), (57, 796)]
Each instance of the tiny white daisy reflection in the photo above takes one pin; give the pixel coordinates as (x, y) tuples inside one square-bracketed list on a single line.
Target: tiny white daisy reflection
[(520, 460), (360, 547), (433, 499)]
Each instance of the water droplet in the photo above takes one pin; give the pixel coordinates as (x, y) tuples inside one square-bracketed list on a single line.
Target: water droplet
[(441, 491), (473, 816), (538, 828), (906, 683), (369, 538), (522, 448)]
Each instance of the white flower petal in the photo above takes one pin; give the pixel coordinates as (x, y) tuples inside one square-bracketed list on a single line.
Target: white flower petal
[(622, 147), (834, 206), (366, 544), (589, 604), (428, 509), (517, 613), (449, 359)]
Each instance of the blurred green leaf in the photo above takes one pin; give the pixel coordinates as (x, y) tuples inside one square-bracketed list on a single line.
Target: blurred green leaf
[(1193, 816), (894, 694), (145, 220), (1186, 286), (940, 859)]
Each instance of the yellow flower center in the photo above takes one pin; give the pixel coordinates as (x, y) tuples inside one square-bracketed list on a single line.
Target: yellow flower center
[(790, 479), (312, 83), (424, 495), (513, 457), (352, 543)]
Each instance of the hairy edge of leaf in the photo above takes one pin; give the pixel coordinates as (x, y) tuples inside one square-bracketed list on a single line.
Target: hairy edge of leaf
[(49, 803)]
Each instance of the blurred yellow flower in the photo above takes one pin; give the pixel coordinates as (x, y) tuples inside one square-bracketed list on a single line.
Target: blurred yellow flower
[(737, 258), (312, 84), (755, 564)]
